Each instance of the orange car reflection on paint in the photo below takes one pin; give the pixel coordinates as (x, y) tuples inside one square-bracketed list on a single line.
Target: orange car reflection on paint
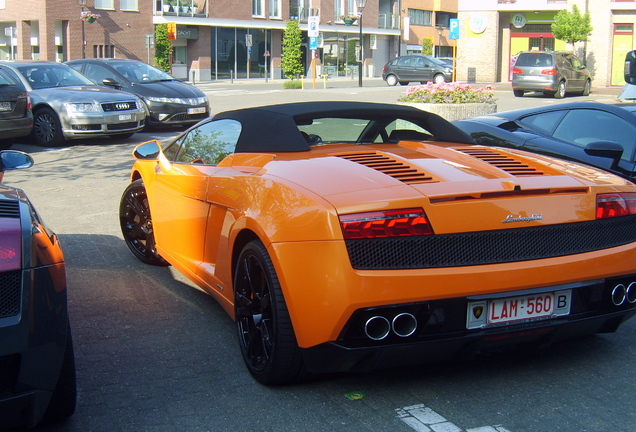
[(351, 236)]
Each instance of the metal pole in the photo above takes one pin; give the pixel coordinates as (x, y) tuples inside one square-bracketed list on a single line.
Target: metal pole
[(83, 36), (361, 59)]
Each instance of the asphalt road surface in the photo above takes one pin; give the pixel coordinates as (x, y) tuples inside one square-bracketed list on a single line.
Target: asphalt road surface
[(154, 354)]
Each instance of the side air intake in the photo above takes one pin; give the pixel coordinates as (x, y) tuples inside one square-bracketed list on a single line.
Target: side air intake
[(390, 166)]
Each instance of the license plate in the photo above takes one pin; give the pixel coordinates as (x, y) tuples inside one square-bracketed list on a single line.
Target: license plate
[(125, 116), (199, 110), (5, 106), (509, 310)]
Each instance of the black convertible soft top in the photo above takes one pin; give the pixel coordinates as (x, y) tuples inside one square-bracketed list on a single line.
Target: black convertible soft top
[(273, 128)]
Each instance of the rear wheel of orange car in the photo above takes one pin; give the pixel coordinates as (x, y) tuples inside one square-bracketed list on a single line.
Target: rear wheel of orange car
[(136, 224), (266, 336)]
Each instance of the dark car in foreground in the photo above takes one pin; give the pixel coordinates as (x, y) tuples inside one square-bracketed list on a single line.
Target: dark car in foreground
[(169, 101), (67, 105), (37, 365), (16, 118), (598, 134), (409, 68), (348, 236), (554, 73)]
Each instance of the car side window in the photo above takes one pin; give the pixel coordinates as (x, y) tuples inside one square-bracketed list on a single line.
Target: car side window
[(583, 126), (207, 144), (404, 61), (544, 122), (97, 73)]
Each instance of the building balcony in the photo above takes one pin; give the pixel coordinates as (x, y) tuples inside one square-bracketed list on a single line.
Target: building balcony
[(388, 21), (179, 8)]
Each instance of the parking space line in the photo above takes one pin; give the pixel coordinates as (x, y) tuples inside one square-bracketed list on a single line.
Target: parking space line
[(423, 419)]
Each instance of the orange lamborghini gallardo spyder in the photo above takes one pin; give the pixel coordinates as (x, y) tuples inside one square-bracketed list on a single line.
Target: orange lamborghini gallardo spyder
[(351, 236)]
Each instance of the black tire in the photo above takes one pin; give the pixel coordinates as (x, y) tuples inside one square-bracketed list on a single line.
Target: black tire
[(586, 88), (136, 224), (266, 336), (391, 80), (518, 93), (47, 130), (64, 399), (561, 90)]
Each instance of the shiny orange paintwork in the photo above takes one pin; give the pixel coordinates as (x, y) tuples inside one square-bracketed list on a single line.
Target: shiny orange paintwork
[(291, 202)]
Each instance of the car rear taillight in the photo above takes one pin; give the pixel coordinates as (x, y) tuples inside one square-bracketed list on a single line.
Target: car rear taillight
[(29, 105), (516, 71), (615, 204), (549, 72), (389, 223), (10, 245)]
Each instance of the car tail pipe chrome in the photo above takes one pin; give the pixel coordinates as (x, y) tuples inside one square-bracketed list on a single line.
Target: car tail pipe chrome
[(378, 327), (622, 294), (404, 324)]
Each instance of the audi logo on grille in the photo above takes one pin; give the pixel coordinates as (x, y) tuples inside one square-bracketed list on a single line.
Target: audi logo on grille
[(122, 106)]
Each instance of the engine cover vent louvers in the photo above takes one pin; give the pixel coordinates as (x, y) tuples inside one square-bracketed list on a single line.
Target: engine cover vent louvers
[(9, 209), (503, 161), (390, 166)]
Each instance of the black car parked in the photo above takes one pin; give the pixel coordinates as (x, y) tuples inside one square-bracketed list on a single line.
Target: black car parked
[(599, 134), (169, 101), (37, 364), (16, 118), (405, 69)]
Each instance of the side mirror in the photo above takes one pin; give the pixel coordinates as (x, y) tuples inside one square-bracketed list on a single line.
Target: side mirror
[(147, 151), (111, 82), (630, 67), (13, 159), (606, 149)]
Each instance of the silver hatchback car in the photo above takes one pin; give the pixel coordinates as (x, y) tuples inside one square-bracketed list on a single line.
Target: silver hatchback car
[(554, 73), (67, 105)]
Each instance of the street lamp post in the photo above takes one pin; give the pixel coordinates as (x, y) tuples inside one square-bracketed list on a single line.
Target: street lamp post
[(360, 4), (82, 3)]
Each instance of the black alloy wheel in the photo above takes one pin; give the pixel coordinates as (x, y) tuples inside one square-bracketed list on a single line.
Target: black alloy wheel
[(266, 337), (136, 224), (47, 130)]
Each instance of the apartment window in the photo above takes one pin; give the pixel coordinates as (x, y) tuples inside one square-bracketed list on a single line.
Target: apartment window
[(258, 7), (104, 51), (275, 8), (339, 8), (129, 5), (352, 8), (421, 17), (105, 4)]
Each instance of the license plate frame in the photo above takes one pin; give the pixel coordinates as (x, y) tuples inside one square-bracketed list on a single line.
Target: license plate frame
[(5, 106), (518, 309), (124, 117), (196, 110)]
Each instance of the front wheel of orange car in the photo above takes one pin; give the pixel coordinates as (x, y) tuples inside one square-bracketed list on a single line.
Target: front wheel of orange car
[(136, 224), (265, 332)]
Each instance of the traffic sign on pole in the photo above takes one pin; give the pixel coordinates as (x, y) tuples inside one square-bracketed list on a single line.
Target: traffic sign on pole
[(453, 28)]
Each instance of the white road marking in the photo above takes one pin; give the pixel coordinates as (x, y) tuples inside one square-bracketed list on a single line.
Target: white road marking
[(423, 419)]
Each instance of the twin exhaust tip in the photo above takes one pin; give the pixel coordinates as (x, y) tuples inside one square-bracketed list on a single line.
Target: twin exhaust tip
[(378, 327), (620, 294)]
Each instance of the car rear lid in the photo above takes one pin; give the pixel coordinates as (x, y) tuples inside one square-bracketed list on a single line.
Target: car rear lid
[(14, 99)]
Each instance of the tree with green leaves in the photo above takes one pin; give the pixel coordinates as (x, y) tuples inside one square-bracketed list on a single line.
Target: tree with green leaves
[(572, 27), (163, 48), (427, 46), (291, 61)]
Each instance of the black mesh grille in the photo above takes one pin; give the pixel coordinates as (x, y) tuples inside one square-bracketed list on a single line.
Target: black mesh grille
[(9, 368), (119, 106), (9, 294), (187, 117), (9, 209), (122, 126), (490, 247)]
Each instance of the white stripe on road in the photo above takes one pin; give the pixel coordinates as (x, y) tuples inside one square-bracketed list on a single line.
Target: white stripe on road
[(423, 419)]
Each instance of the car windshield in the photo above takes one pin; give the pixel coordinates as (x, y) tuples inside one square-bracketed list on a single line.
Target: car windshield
[(138, 72), (53, 75)]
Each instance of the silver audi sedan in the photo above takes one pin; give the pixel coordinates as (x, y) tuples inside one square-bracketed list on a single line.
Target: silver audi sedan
[(67, 105)]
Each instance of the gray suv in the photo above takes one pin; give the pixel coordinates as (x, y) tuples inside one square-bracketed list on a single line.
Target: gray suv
[(423, 69), (554, 73)]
